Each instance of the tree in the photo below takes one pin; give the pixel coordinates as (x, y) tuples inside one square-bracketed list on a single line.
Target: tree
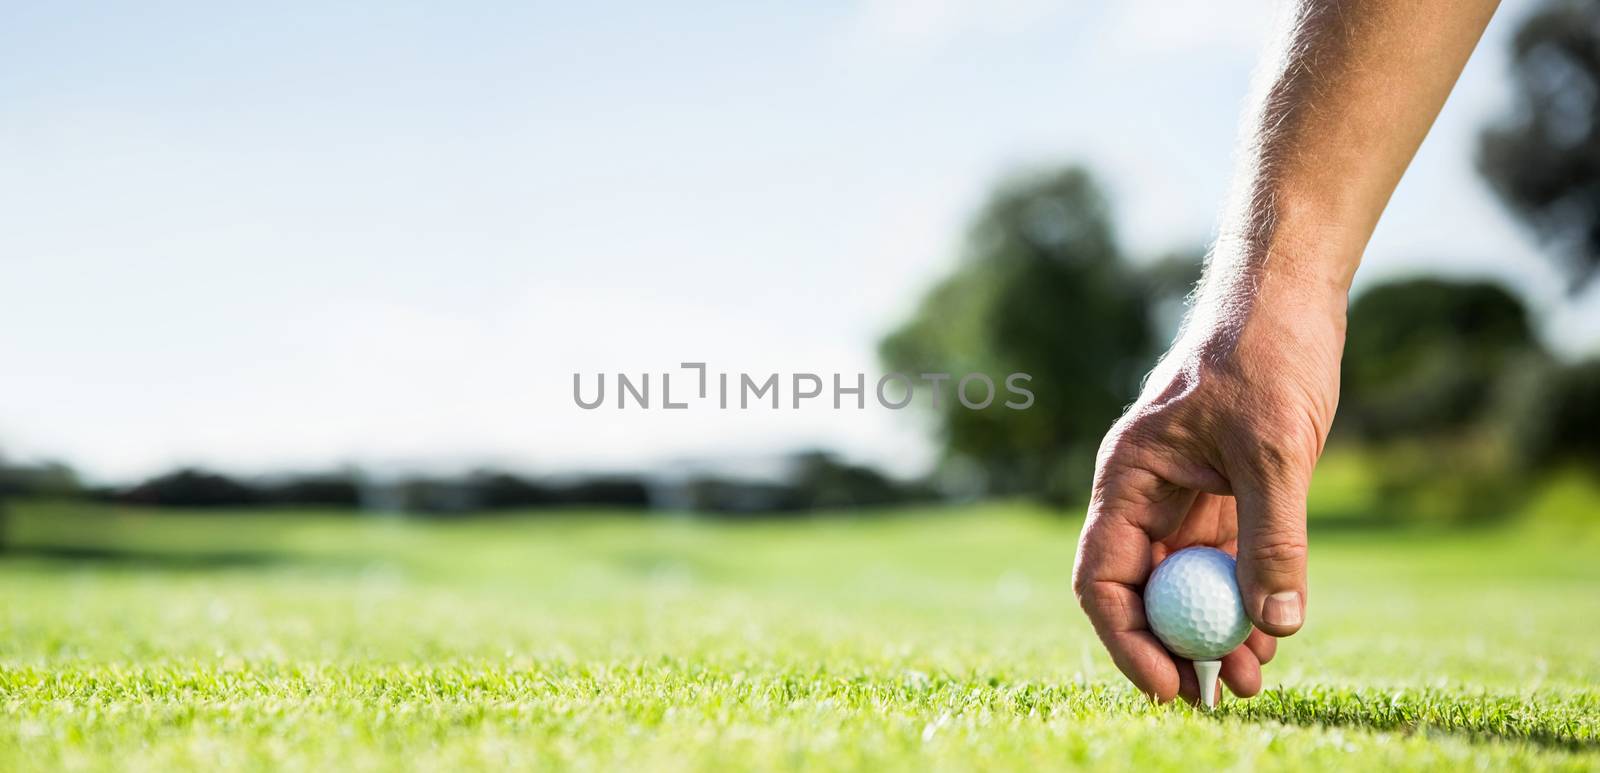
[(1042, 289), (33, 480), (1436, 384), (340, 489), (190, 487), (500, 490), (1169, 283), (1544, 160), (1562, 423), (1428, 356), (5, 520), (823, 480)]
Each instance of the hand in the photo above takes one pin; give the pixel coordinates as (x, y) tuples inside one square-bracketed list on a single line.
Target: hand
[(1217, 451)]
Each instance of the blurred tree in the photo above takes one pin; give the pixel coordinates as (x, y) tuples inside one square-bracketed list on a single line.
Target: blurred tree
[(34, 480), (1428, 355), (1042, 289), (499, 490), (41, 479), (435, 495), (1436, 378), (615, 491), (321, 489), (742, 498), (191, 487), (1562, 423), (1544, 161), (1168, 282), (826, 481), (5, 520), (813, 480)]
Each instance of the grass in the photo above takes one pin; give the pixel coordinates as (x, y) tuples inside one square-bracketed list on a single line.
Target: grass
[(947, 640)]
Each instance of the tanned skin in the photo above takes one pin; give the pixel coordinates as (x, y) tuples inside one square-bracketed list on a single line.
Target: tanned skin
[(1219, 448)]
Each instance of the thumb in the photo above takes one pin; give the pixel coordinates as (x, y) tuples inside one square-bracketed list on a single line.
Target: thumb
[(1272, 555)]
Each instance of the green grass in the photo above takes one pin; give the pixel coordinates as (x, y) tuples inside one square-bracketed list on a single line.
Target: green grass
[(137, 640)]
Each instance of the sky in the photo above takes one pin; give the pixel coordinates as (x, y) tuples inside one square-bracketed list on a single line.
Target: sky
[(284, 236)]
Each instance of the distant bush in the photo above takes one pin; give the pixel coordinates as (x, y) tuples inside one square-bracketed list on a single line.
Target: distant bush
[(191, 487), (1430, 357), (336, 489), (425, 495), (481, 490), (1444, 387), (814, 480), (194, 487), (824, 481), (1560, 420), (1463, 480), (810, 481), (618, 491), (729, 496), (47, 479), (497, 490), (491, 490)]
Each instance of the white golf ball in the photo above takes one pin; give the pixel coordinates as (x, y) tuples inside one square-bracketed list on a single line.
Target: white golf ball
[(1193, 604)]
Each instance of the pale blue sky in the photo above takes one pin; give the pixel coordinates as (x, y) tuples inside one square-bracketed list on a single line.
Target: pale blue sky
[(296, 234)]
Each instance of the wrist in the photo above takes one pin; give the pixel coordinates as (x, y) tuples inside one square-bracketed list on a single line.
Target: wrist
[(1279, 281), (1284, 244), (1278, 301), (1272, 285), (1286, 275)]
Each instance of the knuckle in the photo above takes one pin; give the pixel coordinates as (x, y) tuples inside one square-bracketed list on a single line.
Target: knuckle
[(1088, 597), (1081, 585), (1122, 441), (1278, 554), (1143, 440), (1272, 454), (1279, 451), (1082, 574), (1103, 604)]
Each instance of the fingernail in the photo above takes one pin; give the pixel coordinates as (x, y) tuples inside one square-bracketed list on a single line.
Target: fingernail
[(1282, 608)]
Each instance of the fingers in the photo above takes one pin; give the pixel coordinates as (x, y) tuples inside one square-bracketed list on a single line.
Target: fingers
[(1272, 552), (1114, 558), (1241, 671), (1188, 683), (1264, 646), (1117, 613)]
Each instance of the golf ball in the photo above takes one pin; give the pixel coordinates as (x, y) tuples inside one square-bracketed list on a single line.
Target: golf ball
[(1193, 604)]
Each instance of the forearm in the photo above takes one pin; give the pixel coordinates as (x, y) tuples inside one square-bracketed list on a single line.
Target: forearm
[(1349, 90)]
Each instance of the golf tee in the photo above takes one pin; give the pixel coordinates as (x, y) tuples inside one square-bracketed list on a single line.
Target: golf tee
[(1206, 672)]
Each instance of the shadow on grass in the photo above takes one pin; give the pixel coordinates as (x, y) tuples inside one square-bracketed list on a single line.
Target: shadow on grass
[(134, 558), (1568, 723)]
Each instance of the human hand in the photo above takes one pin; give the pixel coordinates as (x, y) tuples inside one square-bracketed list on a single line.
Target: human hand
[(1217, 451)]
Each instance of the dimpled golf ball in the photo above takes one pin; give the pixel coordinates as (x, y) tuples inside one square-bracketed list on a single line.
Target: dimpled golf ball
[(1193, 604)]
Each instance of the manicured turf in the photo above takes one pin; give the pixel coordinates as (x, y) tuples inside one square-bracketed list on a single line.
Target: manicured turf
[(136, 640)]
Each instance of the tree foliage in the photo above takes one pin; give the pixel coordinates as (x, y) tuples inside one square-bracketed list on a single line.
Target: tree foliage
[(1042, 288), (1429, 356), (1562, 422), (1544, 160)]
